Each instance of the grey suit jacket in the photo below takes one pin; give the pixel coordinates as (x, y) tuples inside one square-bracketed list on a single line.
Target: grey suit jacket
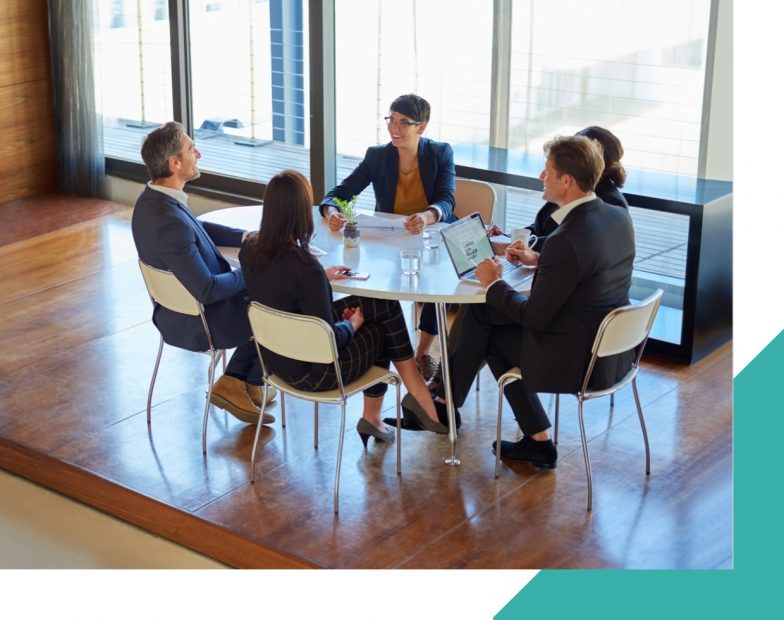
[(585, 270), (168, 236)]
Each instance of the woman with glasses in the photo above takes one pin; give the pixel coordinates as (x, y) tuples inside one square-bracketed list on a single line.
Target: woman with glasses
[(411, 176), (281, 272)]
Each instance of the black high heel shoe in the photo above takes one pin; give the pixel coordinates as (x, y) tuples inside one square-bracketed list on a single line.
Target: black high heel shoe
[(366, 430)]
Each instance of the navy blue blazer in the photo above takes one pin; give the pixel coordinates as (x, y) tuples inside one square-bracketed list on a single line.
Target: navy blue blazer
[(584, 272), (381, 167), (168, 236)]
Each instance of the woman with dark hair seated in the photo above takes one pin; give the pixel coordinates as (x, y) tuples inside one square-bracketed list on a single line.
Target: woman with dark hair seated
[(412, 176), (280, 272), (608, 187)]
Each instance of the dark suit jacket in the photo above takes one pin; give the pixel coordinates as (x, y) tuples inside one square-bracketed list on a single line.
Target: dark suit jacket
[(585, 270), (168, 236), (381, 167), (293, 284), (544, 225)]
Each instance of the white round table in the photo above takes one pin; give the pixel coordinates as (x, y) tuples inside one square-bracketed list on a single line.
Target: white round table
[(379, 255)]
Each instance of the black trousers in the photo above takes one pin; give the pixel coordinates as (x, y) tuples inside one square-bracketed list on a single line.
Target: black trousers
[(382, 338), (482, 334)]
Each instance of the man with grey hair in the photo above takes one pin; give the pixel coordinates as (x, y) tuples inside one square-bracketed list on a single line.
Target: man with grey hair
[(169, 237)]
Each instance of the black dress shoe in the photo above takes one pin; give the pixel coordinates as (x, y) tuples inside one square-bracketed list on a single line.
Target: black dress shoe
[(407, 422), (541, 454), (444, 418)]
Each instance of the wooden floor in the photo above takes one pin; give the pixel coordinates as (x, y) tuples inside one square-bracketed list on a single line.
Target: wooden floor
[(77, 352)]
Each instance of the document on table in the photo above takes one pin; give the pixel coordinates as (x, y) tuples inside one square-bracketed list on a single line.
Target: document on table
[(376, 222)]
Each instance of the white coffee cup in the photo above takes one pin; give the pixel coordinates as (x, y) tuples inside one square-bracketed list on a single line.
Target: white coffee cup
[(524, 235)]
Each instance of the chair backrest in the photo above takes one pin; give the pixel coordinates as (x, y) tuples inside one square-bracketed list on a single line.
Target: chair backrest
[(168, 291), (626, 327), (473, 196), (296, 336)]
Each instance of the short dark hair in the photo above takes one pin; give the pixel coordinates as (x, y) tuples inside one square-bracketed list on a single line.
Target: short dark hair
[(413, 107), (613, 152), (159, 145), (577, 156), (286, 219)]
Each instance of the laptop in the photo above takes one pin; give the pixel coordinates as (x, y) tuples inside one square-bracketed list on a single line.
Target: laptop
[(468, 245)]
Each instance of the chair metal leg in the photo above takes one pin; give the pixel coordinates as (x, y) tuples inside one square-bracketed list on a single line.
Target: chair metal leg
[(340, 452), (501, 387), (223, 356), (152, 381), (498, 432), (584, 440), (256, 438), (612, 401), (315, 425), (214, 355), (557, 408), (642, 426), (397, 417), (283, 410)]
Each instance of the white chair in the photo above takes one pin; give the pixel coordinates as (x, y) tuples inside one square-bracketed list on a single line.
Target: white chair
[(623, 329), (471, 196), (310, 339), (165, 289)]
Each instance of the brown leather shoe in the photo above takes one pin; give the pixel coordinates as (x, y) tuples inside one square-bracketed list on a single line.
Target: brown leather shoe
[(230, 394), (255, 393)]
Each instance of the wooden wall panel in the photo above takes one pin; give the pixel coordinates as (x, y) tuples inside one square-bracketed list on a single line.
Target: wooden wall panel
[(27, 149)]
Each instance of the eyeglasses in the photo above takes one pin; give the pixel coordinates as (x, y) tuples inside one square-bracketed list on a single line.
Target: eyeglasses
[(403, 122)]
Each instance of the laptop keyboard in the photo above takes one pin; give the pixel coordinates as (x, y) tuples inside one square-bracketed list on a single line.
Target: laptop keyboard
[(508, 268)]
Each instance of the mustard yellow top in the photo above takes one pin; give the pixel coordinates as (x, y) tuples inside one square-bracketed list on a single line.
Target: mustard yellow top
[(410, 197)]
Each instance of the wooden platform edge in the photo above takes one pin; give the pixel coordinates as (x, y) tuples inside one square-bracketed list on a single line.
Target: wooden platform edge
[(145, 512)]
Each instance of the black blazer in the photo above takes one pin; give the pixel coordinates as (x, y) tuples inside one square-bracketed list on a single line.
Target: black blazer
[(168, 236), (544, 225), (381, 167), (584, 271), (293, 283)]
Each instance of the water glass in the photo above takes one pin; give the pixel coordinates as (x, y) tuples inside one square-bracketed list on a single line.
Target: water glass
[(409, 261), (431, 238)]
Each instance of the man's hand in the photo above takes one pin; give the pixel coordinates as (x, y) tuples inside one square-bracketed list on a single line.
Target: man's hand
[(519, 252), (336, 220), (488, 271)]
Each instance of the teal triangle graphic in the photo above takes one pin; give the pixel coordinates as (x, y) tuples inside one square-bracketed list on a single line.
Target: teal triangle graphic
[(752, 588)]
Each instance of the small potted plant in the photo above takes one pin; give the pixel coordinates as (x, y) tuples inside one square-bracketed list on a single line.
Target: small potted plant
[(350, 230)]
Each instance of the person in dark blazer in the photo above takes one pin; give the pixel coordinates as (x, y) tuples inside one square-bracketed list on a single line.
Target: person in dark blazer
[(412, 176), (169, 237), (584, 271), (607, 189), (282, 273)]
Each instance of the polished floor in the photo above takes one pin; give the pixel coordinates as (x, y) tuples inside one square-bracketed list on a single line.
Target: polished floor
[(77, 353)]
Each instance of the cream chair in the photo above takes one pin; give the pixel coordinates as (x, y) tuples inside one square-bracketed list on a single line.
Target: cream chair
[(165, 289), (310, 339), (473, 196), (623, 329)]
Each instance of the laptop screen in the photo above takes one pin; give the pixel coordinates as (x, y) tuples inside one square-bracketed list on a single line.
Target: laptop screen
[(467, 243)]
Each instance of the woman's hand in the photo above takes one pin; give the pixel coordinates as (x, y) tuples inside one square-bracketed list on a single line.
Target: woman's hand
[(494, 231), (336, 220), (416, 223), (354, 316), (336, 272), (519, 252)]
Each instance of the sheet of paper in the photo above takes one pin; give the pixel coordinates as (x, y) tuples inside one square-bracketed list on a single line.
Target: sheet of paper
[(376, 222)]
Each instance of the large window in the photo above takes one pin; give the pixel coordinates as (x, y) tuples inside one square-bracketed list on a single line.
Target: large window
[(133, 71), (249, 83), (636, 68)]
